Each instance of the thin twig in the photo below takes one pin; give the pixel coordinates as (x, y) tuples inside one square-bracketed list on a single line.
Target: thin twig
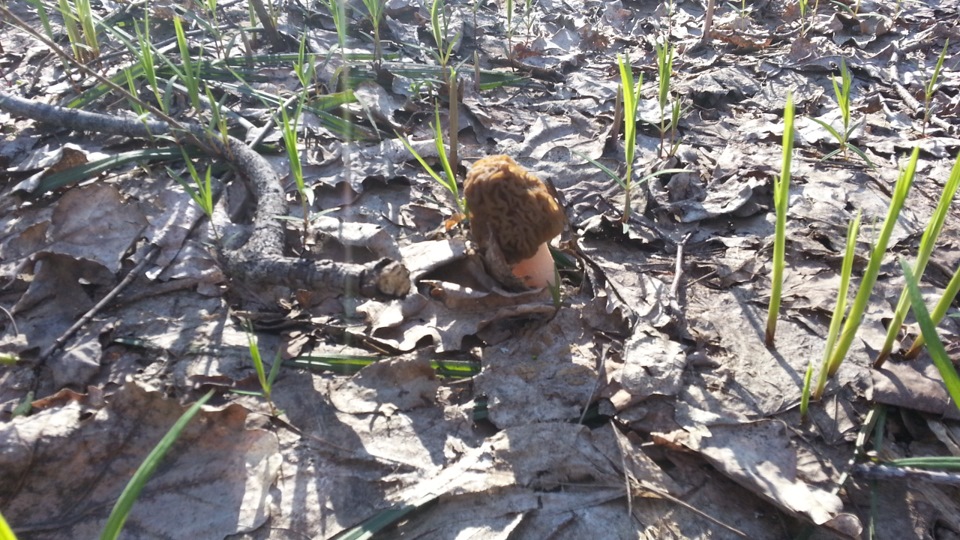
[(889, 472), (601, 372), (678, 269), (16, 332)]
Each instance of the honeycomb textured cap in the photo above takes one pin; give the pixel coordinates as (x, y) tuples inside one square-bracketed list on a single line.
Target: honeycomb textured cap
[(510, 206)]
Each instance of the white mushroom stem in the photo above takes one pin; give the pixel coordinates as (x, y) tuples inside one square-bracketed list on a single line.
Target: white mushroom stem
[(537, 271)]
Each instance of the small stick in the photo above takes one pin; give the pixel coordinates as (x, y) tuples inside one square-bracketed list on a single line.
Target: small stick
[(678, 269), (707, 23), (16, 332), (888, 472)]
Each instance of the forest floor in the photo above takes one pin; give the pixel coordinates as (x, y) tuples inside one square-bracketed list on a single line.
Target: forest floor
[(637, 400)]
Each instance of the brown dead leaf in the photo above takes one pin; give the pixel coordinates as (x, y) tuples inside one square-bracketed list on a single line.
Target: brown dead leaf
[(759, 456), (94, 223), (545, 373), (69, 468), (397, 384), (49, 160), (913, 385), (653, 364)]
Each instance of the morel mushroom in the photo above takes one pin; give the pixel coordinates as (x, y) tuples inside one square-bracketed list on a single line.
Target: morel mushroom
[(513, 216)]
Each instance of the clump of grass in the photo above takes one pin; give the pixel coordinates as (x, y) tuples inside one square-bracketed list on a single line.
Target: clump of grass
[(528, 19), (189, 72), (668, 123), (201, 191), (440, 27), (859, 306), (927, 241), (449, 179), (78, 21), (931, 87), (288, 129), (304, 70), (781, 195), (844, 102), (375, 9), (266, 379), (836, 320), (629, 100), (145, 58)]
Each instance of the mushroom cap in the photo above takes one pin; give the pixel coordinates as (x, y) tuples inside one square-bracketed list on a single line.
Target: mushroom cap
[(510, 206)]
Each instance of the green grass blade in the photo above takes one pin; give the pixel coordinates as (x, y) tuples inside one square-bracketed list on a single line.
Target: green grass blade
[(951, 463), (6, 533), (121, 510), (91, 169), (927, 241), (843, 93), (781, 196), (190, 72), (862, 155), (451, 183), (606, 170), (937, 353), (939, 312), (932, 83), (829, 128), (383, 519), (257, 360), (426, 166), (805, 394), (631, 100)]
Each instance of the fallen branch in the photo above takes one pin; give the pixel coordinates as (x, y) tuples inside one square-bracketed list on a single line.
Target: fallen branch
[(260, 259)]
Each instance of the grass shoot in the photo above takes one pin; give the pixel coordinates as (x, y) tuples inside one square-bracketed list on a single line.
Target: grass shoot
[(266, 379), (631, 100), (79, 23), (375, 9), (201, 191), (665, 54), (338, 12), (859, 306), (448, 180), (932, 86), (842, 93), (781, 196), (440, 27), (839, 310), (121, 510), (288, 129), (189, 74)]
